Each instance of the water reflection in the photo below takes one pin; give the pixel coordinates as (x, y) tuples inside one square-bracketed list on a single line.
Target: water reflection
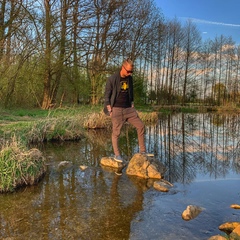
[(97, 204), (202, 143)]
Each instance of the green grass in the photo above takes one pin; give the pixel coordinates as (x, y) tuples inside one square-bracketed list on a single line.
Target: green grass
[(30, 114), (39, 125), (19, 166)]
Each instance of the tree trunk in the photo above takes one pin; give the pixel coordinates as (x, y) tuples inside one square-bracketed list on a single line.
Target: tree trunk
[(46, 102)]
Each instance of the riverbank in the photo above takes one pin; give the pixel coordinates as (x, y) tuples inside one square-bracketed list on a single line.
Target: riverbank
[(64, 124), (19, 128), (37, 125)]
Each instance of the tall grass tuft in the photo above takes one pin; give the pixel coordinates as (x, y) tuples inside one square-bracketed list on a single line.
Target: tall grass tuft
[(19, 166), (60, 128), (148, 117), (96, 121)]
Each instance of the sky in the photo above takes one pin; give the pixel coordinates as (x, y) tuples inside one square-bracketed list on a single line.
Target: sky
[(212, 17)]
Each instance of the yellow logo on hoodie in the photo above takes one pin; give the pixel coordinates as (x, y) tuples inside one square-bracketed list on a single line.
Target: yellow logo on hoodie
[(124, 86)]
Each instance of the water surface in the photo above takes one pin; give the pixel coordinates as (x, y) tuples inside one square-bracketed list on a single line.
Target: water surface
[(200, 152)]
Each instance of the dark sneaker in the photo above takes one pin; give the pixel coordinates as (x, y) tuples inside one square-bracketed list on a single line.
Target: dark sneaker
[(118, 159), (147, 154)]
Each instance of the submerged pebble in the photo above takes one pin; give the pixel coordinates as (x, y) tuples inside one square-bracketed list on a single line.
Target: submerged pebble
[(83, 167)]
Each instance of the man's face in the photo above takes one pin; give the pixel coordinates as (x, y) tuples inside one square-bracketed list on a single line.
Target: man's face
[(127, 70)]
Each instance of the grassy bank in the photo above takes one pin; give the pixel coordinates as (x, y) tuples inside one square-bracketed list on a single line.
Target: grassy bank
[(19, 166), (18, 128), (59, 124), (36, 125)]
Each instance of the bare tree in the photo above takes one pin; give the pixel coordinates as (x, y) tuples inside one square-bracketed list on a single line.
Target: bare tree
[(191, 46), (48, 52), (174, 52)]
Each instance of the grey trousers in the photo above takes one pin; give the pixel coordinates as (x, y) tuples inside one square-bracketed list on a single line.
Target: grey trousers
[(119, 116)]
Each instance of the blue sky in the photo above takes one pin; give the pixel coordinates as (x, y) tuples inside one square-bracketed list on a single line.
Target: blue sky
[(212, 17)]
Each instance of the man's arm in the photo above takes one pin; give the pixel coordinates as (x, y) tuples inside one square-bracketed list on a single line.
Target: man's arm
[(107, 95)]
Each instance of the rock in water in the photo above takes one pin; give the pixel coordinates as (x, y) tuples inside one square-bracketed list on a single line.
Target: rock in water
[(235, 206), (191, 212), (111, 163), (217, 237), (161, 186), (228, 227), (64, 164), (142, 166), (235, 234), (83, 167)]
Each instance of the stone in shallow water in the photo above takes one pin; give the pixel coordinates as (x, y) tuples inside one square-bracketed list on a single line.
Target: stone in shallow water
[(217, 237), (64, 163), (228, 227), (145, 167), (111, 163), (235, 206), (161, 186), (191, 212), (235, 234), (83, 167)]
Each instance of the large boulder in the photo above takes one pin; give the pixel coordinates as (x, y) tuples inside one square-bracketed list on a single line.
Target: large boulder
[(235, 234), (146, 167), (228, 227)]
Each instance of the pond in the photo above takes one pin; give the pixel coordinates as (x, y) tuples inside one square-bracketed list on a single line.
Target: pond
[(202, 156)]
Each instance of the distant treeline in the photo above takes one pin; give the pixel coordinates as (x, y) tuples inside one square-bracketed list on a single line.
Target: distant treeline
[(62, 51)]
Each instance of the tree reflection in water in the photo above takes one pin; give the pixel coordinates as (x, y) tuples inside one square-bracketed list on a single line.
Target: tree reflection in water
[(97, 204)]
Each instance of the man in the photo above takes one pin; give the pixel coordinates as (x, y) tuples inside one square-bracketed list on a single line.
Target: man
[(119, 105)]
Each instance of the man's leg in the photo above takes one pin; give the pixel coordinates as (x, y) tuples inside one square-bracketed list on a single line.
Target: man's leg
[(133, 118), (117, 123)]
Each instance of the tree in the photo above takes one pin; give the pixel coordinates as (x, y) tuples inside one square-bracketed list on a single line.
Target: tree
[(191, 46), (220, 91), (46, 102)]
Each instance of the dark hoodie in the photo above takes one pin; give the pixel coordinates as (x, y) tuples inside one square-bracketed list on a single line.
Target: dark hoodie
[(113, 88)]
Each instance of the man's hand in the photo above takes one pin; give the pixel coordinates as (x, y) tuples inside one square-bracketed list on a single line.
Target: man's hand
[(109, 109)]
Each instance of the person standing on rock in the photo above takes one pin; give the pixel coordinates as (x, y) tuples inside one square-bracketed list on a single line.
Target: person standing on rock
[(119, 105)]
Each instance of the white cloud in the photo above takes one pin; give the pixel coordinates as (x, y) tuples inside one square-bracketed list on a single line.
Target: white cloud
[(196, 20)]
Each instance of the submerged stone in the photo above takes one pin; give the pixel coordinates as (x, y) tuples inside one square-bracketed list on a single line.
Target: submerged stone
[(162, 185), (64, 163)]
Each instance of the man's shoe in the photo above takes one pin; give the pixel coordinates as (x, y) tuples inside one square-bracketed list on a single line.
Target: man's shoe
[(118, 159), (147, 154)]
